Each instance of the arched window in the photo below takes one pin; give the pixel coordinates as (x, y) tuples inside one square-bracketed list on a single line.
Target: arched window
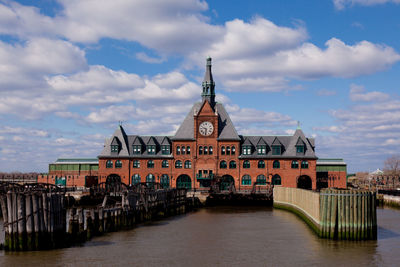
[(276, 164), (261, 164), (188, 164), (109, 164), (118, 164), (304, 164), (233, 150), (183, 150), (150, 179), (246, 164), (223, 150), (261, 179), (164, 181), (276, 180), (228, 150), (222, 164), (165, 164), (232, 164), (150, 164), (295, 164), (135, 179), (178, 150), (188, 150), (246, 180), (136, 164), (178, 164), (200, 150), (205, 150), (210, 150)]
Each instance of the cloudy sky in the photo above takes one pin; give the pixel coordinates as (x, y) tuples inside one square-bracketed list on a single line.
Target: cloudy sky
[(71, 69)]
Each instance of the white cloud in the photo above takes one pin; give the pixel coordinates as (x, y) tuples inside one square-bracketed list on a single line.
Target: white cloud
[(148, 59), (111, 114), (357, 93), (326, 92), (342, 4)]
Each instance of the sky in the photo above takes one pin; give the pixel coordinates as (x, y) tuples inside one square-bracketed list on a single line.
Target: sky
[(70, 70)]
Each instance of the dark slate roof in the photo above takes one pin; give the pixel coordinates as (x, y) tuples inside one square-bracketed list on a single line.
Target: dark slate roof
[(288, 143), (300, 142), (115, 141), (226, 130), (261, 141), (126, 146), (166, 141)]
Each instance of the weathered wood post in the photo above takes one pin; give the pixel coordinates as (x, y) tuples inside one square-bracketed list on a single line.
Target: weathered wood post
[(30, 240), (3, 201)]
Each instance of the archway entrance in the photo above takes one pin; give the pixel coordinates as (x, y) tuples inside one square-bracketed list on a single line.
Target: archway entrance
[(226, 182), (276, 180), (184, 181), (304, 182)]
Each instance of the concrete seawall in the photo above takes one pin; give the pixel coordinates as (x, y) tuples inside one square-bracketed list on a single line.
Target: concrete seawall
[(332, 213)]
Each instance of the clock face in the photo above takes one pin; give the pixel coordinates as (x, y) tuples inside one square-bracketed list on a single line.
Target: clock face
[(206, 128)]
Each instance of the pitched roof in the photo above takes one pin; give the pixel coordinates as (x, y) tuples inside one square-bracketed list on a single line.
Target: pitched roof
[(122, 137), (261, 141), (165, 141)]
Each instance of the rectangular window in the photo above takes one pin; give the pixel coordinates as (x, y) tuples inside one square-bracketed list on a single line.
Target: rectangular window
[(114, 148), (276, 150), (137, 149), (300, 149), (246, 150), (261, 150), (165, 150), (183, 150), (136, 164), (151, 150), (188, 150)]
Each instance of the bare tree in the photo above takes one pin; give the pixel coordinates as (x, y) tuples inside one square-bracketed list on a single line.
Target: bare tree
[(392, 165)]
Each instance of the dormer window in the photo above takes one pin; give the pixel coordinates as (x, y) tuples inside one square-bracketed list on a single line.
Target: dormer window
[(114, 148), (246, 150), (276, 150), (137, 150), (300, 149), (261, 150), (165, 150), (151, 149)]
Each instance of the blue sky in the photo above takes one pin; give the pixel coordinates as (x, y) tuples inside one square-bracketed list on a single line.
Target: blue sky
[(71, 69)]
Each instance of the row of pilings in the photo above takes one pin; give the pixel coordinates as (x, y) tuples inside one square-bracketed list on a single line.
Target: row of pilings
[(41, 220), (348, 214)]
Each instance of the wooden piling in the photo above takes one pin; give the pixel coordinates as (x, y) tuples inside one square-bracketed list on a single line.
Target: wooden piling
[(29, 222)]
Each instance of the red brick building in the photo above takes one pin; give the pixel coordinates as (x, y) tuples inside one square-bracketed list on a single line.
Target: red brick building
[(207, 145)]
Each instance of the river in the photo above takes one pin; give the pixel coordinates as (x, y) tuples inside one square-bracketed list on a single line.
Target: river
[(224, 236)]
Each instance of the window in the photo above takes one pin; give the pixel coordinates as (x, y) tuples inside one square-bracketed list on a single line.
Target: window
[(178, 164), (232, 164), (164, 181), (188, 164), (276, 150), (136, 164), (114, 148), (300, 149), (135, 179), (164, 164), (228, 150), (200, 150), (233, 150), (295, 164), (304, 164), (109, 164), (165, 150), (210, 150), (137, 149), (246, 150), (246, 180), (150, 179), (276, 164), (150, 164), (178, 150), (222, 164), (261, 150), (188, 150), (246, 164), (261, 180), (261, 164), (205, 150), (151, 149), (223, 150), (118, 164), (183, 150)]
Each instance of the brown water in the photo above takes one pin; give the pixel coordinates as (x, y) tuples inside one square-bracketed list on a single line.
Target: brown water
[(224, 236)]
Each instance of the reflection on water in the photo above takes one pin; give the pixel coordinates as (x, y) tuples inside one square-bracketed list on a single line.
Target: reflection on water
[(226, 236)]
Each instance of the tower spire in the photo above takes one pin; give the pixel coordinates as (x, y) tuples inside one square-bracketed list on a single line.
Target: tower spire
[(208, 85)]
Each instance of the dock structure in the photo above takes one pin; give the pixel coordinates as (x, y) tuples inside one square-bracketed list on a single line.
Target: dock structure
[(332, 213), (38, 217)]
